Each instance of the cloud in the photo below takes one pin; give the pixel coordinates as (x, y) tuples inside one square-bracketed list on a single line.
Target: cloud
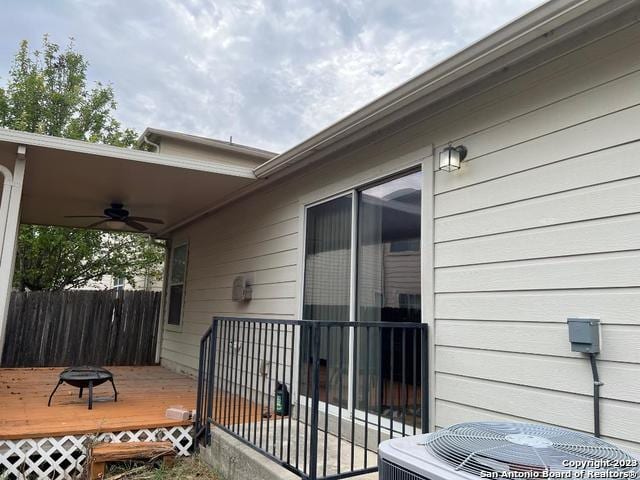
[(268, 72)]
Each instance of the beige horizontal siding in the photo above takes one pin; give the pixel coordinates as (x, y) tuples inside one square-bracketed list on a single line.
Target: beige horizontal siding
[(543, 224), (620, 419), (615, 305), (271, 306), (281, 244), (544, 339), (251, 239), (571, 375), (183, 362), (269, 276), (173, 146), (449, 413), (618, 269), (553, 85), (544, 180), (600, 201), (258, 292), (539, 126), (579, 238)]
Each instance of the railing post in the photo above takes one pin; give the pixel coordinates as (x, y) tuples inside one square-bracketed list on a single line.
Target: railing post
[(201, 379), (424, 376), (315, 401), (212, 369)]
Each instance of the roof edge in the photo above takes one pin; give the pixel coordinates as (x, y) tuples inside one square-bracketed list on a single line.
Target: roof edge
[(208, 142), (99, 149)]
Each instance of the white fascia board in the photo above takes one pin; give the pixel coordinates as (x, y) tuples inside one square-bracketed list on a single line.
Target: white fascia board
[(526, 30), (78, 146)]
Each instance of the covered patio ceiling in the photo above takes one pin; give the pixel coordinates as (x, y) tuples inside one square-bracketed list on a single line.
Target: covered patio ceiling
[(67, 177)]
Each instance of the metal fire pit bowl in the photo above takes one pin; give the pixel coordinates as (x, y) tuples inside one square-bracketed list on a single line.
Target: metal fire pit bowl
[(85, 377)]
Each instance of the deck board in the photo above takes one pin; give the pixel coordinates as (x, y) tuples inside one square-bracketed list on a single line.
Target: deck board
[(144, 394)]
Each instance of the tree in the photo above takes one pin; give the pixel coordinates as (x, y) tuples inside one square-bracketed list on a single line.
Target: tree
[(46, 92), (54, 258)]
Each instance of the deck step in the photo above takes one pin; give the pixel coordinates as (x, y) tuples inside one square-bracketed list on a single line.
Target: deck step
[(102, 453)]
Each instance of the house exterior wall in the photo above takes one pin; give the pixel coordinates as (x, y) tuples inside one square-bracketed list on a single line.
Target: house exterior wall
[(172, 146), (542, 223), (259, 236)]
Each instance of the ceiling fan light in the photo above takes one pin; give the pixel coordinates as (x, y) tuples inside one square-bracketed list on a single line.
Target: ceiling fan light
[(115, 224), (116, 217)]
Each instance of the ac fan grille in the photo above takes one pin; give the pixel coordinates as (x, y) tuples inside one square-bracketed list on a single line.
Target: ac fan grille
[(390, 471), (481, 448)]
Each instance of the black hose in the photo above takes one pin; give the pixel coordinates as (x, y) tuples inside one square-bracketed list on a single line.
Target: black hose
[(596, 395)]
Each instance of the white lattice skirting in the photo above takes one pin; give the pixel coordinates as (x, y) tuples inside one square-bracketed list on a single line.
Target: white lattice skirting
[(59, 458)]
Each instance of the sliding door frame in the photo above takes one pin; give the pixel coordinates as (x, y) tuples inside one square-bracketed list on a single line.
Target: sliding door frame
[(354, 190)]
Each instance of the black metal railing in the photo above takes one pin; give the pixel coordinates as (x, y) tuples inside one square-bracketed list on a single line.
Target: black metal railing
[(317, 397), (202, 428)]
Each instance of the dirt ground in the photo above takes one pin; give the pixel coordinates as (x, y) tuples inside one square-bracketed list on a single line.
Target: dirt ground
[(184, 469)]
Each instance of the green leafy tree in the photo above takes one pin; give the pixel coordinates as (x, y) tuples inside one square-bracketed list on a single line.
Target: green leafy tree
[(46, 92), (53, 258)]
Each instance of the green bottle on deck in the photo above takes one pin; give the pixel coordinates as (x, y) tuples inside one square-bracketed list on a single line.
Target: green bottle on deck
[(282, 399)]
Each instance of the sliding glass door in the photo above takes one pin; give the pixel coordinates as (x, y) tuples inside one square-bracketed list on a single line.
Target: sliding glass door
[(388, 290), (377, 230), (327, 291)]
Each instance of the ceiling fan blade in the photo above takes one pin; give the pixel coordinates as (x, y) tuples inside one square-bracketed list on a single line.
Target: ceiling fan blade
[(146, 220), (138, 226), (85, 216), (93, 225)]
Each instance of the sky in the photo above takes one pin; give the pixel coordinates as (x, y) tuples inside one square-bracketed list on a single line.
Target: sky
[(270, 73)]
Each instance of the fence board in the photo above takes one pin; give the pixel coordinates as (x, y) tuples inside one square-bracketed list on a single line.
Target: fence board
[(81, 327)]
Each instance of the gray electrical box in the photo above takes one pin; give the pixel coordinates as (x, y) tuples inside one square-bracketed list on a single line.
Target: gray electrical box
[(584, 334), (241, 290)]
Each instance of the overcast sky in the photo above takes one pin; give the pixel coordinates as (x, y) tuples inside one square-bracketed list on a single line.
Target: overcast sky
[(270, 73)]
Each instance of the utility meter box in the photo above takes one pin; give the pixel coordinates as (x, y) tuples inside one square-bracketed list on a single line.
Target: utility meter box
[(584, 335), (241, 290)]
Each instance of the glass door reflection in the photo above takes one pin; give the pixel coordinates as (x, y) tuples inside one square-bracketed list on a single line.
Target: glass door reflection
[(327, 292), (388, 290)]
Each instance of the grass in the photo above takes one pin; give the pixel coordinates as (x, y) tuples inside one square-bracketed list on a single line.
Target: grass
[(190, 468)]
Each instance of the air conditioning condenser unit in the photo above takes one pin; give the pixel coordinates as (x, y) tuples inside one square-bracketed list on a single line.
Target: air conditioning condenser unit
[(503, 450)]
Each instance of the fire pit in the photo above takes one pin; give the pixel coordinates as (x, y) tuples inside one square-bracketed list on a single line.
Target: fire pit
[(85, 377)]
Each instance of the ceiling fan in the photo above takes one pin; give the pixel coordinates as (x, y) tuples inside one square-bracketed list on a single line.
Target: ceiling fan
[(117, 213)]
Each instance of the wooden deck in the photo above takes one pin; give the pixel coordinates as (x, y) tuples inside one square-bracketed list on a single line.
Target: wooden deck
[(144, 394)]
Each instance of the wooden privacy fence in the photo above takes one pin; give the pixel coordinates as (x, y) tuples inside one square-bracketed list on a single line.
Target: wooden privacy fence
[(81, 327)]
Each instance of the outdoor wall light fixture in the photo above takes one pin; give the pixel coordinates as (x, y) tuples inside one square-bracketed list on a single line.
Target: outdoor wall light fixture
[(452, 157)]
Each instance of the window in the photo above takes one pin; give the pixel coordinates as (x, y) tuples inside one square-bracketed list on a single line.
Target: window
[(409, 302), (388, 222), (401, 246), (178, 270)]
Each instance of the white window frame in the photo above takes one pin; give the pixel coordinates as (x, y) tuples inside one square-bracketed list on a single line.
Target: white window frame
[(169, 284), (119, 283)]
